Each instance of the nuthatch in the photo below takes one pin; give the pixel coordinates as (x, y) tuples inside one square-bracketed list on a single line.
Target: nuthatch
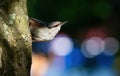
[(42, 31)]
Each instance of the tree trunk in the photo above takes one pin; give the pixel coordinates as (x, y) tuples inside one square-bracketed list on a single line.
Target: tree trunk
[(15, 40)]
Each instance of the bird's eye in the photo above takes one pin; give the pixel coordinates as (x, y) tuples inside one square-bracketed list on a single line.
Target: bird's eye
[(57, 24), (29, 23)]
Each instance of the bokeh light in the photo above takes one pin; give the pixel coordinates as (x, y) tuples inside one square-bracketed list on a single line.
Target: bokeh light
[(75, 55), (92, 47), (39, 65), (62, 45), (56, 67), (111, 46), (97, 32), (95, 45)]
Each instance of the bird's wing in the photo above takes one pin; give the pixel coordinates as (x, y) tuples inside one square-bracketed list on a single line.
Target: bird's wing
[(39, 21)]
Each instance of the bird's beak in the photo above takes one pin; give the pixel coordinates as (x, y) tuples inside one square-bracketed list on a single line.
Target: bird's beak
[(62, 23)]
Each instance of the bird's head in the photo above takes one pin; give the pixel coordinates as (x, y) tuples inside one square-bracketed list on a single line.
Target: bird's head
[(42, 31)]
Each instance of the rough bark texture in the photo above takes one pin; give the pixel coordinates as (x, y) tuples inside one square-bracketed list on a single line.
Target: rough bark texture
[(15, 41)]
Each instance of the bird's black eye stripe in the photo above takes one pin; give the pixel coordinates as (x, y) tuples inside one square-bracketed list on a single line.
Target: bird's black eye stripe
[(58, 24)]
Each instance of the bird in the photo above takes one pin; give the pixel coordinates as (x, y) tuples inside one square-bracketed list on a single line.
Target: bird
[(43, 31)]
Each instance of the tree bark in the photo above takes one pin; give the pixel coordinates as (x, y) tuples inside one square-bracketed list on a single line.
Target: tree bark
[(15, 40)]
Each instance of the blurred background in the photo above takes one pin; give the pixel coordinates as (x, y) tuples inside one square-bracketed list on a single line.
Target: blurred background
[(88, 45)]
